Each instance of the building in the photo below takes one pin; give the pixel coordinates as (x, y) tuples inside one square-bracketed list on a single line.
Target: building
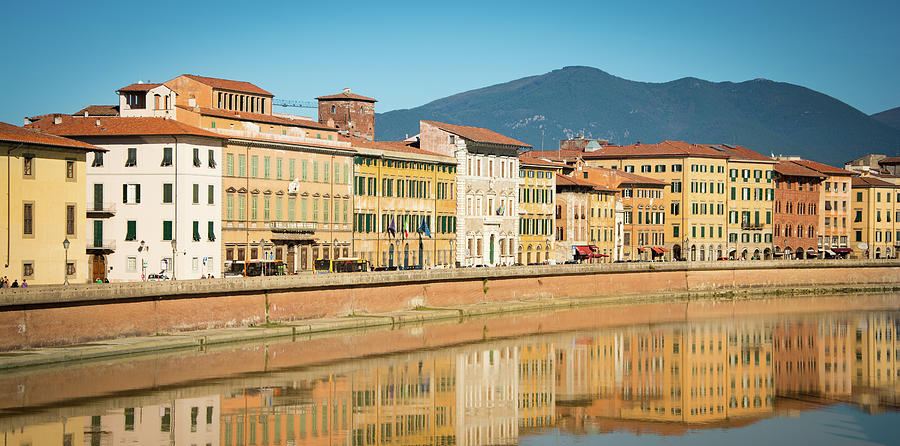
[(644, 206), (574, 196), (537, 202), (45, 206), (835, 216), (751, 195), (486, 190), (865, 163), (404, 205), (167, 219), (142, 100), (350, 113), (795, 218), (875, 212), (287, 180), (695, 177)]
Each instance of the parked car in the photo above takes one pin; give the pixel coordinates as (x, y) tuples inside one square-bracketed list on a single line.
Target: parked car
[(158, 278)]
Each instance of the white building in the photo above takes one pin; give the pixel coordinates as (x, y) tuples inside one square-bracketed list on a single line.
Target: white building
[(142, 100), (487, 178), (156, 193)]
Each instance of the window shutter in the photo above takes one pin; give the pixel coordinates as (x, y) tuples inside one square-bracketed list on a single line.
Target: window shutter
[(124, 193), (137, 193)]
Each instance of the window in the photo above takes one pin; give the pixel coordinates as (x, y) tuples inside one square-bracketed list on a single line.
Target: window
[(242, 165), (211, 158), (196, 232), (28, 219), (267, 167), (195, 194), (167, 230), (70, 219), (254, 167), (131, 193), (196, 157), (210, 231), (70, 269), (229, 165), (132, 157), (210, 194), (167, 157), (167, 193), (278, 169), (28, 269), (131, 231), (70, 169)]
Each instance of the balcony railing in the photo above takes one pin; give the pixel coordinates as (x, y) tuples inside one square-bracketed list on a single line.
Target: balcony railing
[(293, 139), (99, 210), (293, 226), (104, 245), (752, 226)]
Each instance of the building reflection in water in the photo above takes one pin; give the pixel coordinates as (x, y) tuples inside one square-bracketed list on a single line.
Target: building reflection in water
[(662, 379)]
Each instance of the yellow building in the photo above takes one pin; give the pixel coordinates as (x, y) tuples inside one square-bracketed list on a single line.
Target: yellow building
[(400, 191), (875, 212), (695, 177), (751, 196), (45, 186), (537, 201), (537, 379), (287, 180)]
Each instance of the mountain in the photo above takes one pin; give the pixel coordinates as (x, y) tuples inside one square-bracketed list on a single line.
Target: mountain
[(767, 116), (890, 117)]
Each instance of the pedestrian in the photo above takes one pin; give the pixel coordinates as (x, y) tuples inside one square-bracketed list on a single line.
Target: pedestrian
[(3, 282), (24, 283), (15, 284)]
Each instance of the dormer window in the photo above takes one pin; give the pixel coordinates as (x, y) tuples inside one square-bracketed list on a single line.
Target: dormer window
[(452, 139), (333, 109)]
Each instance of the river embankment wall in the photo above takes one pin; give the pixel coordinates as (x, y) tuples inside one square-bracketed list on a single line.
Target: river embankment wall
[(66, 315)]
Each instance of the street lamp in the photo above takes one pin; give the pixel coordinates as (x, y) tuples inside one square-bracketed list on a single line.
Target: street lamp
[(174, 246), (262, 254), (336, 250), (452, 254), (66, 269), (143, 250)]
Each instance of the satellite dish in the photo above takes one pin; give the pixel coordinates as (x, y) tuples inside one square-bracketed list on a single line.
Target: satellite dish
[(863, 246)]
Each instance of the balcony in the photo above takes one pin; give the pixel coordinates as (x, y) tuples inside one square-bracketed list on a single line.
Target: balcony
[(293, 226), (101, 210), (752, 226), (105, 246)]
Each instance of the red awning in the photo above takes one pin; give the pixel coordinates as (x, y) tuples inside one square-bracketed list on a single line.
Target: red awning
[(583, 250), (657, 250), (663, 249), (640, 249), (842, 250)]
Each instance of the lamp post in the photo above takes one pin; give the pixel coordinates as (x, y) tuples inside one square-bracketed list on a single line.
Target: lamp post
[(262, 254), (143, 250), (336, 250), (452, 254), (174, 246), (66, 265)]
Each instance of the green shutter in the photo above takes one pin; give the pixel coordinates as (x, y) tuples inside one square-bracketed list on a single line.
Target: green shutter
[(196, 193), (196, 231), (210, 227), (137, 193), (210, 193), (132, 230), (124, 193), (167, 230)]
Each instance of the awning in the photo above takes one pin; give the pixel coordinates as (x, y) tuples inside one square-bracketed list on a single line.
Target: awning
[(842, 250), (656, 250), (830, 252), (583, 251), (641, 249), (663, 249)]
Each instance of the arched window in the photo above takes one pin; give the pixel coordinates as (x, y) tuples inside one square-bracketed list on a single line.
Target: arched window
[(156, 102), (333, 109)]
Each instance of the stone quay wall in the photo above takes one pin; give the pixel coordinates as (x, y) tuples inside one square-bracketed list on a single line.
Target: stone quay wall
[(58, 315)]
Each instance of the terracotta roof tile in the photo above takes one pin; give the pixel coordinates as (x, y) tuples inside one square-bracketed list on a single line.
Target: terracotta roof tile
[(889, 160), (615, 178), (343, 95), (256, 117), (15, 134), (477, 134), (139, 87), (566, 180), (741, 152), (226, 84), (531, 158), (98, 110), (791, 168), (824, 168), (409, 147), (662, 149), (865, 182), (116, 126)]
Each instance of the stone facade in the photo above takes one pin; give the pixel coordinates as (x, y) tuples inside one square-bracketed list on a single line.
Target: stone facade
[(352, 114), (795, 218)]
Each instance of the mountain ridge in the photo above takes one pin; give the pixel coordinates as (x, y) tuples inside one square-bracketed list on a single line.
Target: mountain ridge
[(765, 115)]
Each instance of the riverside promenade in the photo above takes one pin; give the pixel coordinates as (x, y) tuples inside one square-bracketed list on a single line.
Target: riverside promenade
[(157, 315)]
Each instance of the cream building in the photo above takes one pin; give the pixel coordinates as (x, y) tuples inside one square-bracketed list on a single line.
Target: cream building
[(45, 205)]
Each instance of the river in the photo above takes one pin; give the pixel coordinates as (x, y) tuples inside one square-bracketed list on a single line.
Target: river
[(820, 370)]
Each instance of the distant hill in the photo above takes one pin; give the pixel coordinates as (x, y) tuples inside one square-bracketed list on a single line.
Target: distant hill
[(769, 117), (890, 117)]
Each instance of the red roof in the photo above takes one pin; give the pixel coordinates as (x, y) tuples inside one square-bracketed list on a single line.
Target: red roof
[(98, 110), (256, 117), (565, 180), (824, 168), (139, 87), (477, 134), (614, 178), (529, 159), (226, 84), (793, 169), (891, 160), (391, 146), (741, 152), (346, 95), (664, 149), (15, 134), (118, 126), (870, 182)]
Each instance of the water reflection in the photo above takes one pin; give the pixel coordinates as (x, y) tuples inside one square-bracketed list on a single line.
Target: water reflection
[(668, 379)]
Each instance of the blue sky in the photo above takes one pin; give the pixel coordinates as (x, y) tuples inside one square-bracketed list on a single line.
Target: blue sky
[(60, 56)]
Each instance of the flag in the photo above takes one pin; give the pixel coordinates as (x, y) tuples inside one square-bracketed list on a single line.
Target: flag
[(500, 210), (406, 227), (392, 228), (424, 228)]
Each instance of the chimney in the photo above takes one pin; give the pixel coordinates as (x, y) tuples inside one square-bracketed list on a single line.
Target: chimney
[(347, 90), (85, 114), (57, 119), (97, 122)]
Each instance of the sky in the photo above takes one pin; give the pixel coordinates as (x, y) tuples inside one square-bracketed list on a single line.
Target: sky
[(60, 56)]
